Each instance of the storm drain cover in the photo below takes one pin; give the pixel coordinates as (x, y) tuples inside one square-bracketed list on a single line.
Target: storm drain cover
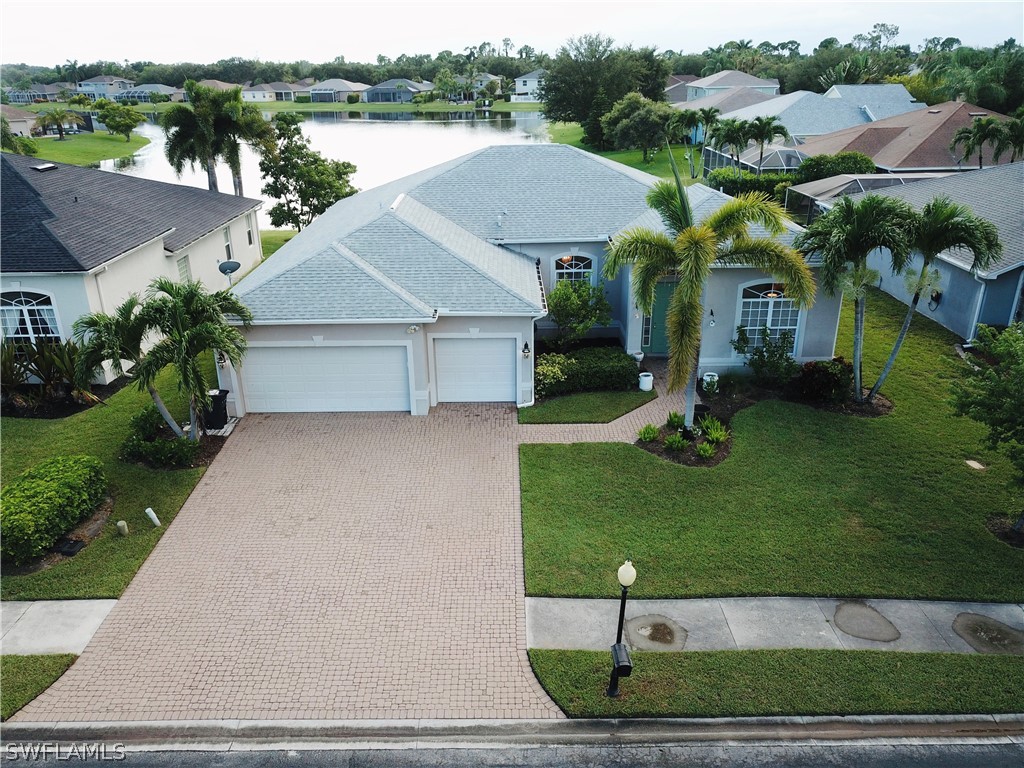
[(655, 633), (986, 635), (861, 620)]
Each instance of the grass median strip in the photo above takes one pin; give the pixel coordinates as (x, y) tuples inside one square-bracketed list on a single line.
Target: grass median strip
[(783, 682), (25, 677), (585, 408)]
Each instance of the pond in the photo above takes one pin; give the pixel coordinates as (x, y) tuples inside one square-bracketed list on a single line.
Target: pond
[(384, 146)]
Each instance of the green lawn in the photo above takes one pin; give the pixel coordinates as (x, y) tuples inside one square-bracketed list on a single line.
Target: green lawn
[(104, 568), (783, 682), (88, 148), (585, 407), (273, 239), (25, 677), (572, 134), (808, 502)]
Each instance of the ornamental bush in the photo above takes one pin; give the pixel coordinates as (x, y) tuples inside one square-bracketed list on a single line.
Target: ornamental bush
[(826, 166), (726, 180), (584, 370), (144, 444), (41, 505), (824, 381), (352, 98)]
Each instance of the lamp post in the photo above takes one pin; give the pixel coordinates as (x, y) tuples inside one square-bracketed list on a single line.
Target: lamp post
[(622, 665)]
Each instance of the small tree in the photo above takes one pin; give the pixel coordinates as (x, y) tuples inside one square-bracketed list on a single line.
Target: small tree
[(636, 122), (80, 100), (593, 133), (576, 307), (121, 120), (991, 391), (58, 118)]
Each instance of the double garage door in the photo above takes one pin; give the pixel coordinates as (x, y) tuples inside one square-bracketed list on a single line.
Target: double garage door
[(374, 378)]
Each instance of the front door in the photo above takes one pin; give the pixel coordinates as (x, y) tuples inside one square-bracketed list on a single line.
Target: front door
[(655, 340)]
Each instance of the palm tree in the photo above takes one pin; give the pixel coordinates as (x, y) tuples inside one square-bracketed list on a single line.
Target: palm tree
[(10, 141), (974, 137), (191, 322), (688, 250), (843, 237), (116, 339), (58, 118), (763, 129), (734, 134), (944, 226), (708, 118), (1012, 139), (686, 122)]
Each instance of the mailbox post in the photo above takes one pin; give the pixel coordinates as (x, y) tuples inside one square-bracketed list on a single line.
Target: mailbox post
[(622, 664)]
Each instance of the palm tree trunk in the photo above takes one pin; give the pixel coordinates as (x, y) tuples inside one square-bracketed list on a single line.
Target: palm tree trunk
[(237, 179), (760, 160), (164, 412), (899, 339), (193, 421), (691, 394), (980, 166), (858, 347), (211, 175)]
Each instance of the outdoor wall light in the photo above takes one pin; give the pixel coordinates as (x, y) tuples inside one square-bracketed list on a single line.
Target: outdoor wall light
[(711, 319), (935, 300), (622, 664), (412, 329), (526, 349)]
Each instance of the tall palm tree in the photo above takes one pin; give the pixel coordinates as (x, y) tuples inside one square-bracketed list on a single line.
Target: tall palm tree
[(763, 129), (734, 134), (58, 118), (974, 137), (1012, 139), (687, 252), (944, 226), (686, 122), (191, 321), (708, 118), (843, 237), (116, 339)]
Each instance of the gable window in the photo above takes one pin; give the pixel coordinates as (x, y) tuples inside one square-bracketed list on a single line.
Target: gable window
[(574, 268), (28, 316), (227, 243), (184, 269), (765, 306), (248, 227)]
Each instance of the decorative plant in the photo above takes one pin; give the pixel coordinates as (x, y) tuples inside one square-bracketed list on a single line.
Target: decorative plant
[(675, 420), (714, 431), (675, 442), (648, 433), (705, 450), (770, 361)]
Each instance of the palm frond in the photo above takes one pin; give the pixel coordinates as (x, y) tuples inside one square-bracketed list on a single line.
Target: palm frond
[(674, 210), (735, 216), (634, 245), (772, 257)]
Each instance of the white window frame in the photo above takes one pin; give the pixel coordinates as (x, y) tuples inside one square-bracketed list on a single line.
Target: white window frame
[(227, 244), (24, 312), (574, 267), (248, 229), (773, 308), (186, 273)]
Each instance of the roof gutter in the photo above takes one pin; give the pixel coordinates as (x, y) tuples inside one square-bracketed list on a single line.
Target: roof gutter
[(347, 321), (544, 240)]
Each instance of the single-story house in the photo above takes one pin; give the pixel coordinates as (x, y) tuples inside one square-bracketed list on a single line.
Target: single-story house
[(397, 90), (259, 93), (431, 288), (910, 142), (994, 296), (777, 158), (729, 78), (809, 199), (675, 87), (104, 86), (37, 92), (726, 100), (20, 120), (77, 240), (336, 90), (218, 85), (526, 86), (144, 93)]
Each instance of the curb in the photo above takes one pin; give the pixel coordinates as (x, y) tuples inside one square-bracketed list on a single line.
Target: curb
[(362, 734)]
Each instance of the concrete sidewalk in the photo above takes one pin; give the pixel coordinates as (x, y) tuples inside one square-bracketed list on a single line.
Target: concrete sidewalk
[(50, 626), (741, 623)]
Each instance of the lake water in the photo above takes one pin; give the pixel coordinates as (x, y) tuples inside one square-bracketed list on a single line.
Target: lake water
[(384, 146)]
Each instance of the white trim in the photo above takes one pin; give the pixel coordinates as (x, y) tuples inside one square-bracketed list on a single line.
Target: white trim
[(53, 306), (506, 241), (358, 321), (1017, 296), (800, 320), (432, 361)]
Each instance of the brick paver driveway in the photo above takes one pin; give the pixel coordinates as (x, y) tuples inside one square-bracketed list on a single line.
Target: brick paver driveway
[(328, 566)]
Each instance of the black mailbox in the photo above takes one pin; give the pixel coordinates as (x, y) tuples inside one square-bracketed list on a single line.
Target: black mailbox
[(621, 663)]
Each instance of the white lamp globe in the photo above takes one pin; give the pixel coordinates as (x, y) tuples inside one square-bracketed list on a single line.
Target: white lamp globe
[(627, 574)]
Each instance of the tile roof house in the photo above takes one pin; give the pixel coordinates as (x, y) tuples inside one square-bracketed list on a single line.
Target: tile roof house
[(397, 90), (336, 90), (675, 87), (431, 288), (39, 92), (917, 140), (729, 78), (77, 240), (995, 296)]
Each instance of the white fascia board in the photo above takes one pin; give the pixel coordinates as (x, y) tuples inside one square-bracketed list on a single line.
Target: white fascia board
[(544, 240), (347, 321)]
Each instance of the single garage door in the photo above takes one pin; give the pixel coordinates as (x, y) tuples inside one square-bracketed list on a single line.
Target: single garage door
[(475, 370), (310, 379)]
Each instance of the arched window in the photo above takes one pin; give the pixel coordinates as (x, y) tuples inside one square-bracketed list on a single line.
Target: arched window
[(28, 316), (765, 306), (574, 268)]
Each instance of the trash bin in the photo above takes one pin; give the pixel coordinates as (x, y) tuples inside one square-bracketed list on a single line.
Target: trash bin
[(216, 416), (646, 382)]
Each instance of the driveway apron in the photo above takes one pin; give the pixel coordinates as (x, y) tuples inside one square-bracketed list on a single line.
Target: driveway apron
[(329, 566)]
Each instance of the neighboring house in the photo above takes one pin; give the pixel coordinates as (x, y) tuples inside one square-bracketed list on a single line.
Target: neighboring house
[(218, 85), (478, 82), (20, 121), (729, 78), (809, 199), (877, 101), (39, 92), (910, 142), (995, 296), (431, 289), (336, 90), (675, 87), (526, 86), (282, 91), (144, 93), (104, 86), (726, 100), (77, 240), (398, 90), (259, 93)]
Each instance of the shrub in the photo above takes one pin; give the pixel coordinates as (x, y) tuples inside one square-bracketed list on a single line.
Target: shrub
[(41, 505), (144, 444), (675, 443), (584, 370), (12, 369), (352, 98), (714, 431), (303, 99), (508, 97), (576, 307), (771, 362), (675, 420), (705, 450), (824, 381), (780, 191), (825, 166), (648, 433), (727, 180)]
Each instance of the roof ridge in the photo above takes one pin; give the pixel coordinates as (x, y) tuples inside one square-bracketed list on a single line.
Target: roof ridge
[(382, 279)]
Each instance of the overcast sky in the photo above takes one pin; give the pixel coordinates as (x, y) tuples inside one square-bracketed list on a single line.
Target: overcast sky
[(50, 32)]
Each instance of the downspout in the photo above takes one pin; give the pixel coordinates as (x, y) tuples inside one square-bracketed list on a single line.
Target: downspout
[(1016, 302), (977, 308)]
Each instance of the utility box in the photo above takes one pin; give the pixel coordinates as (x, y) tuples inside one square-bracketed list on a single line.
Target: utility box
[(216, 416)]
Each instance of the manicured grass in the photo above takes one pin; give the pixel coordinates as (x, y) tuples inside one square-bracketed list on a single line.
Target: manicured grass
[(572, 134), (585, 407), (273, 239), (25, 677), (104, 568), (88, 148), (783, 682), (808, 502)]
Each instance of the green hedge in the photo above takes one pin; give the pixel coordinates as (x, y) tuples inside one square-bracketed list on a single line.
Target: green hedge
[(726, 180), (41, 505), (584, 370)]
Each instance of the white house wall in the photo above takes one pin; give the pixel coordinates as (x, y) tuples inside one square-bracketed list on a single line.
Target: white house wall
[(207, 253), (67, 290)]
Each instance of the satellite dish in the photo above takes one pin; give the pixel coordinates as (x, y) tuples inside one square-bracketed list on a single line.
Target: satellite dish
[(228, 267)]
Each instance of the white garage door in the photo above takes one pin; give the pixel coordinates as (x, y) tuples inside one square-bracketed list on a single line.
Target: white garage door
[(310, 379), (475, 370)]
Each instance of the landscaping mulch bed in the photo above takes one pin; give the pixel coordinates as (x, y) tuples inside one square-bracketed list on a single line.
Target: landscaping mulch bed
[(85, 531), (21, 404), (688, 456), (1002, 529)]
